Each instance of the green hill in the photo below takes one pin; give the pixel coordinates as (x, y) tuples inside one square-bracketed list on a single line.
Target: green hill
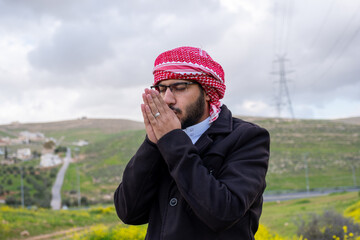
[(329, 149)]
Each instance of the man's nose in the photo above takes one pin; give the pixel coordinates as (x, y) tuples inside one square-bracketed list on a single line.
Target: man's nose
[(169, 97)]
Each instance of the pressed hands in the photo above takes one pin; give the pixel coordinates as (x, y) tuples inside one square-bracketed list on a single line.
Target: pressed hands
[(157, 125)]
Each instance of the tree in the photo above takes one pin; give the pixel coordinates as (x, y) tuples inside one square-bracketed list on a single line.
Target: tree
[(49, 145), (9, 181), (12, 201), (61, 149), (36, 154), (84, 201)]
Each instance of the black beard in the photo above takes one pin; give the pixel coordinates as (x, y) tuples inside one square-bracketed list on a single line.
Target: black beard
[(194, 112)]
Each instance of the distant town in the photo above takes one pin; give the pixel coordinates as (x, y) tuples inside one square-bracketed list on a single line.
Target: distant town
[(34, 145)]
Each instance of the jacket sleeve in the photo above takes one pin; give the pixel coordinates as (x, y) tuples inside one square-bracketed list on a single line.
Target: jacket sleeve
[(134, 195), (223, 200)]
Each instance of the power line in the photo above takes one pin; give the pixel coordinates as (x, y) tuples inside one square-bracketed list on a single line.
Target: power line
[(352, 37), (282, 23), (338, 40), (326, 17), (288, 12)]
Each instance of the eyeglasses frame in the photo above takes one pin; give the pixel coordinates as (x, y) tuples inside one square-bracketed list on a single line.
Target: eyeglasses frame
[(171, 85)]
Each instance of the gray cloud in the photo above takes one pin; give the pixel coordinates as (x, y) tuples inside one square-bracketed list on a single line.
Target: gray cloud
[(86, 45), (73, 49)]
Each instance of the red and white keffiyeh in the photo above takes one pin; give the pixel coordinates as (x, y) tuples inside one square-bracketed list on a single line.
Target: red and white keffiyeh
[(191, 63)]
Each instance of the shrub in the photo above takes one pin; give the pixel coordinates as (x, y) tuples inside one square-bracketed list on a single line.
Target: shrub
[(9, 182), (44, 201), (119, 232), (84, 201), (53, 173), (61, 149), (36, 154), (73, 192), (12, 201), (66, 202), (354, 212), (327, 226), (49, 145), (102, 210), (264, 234)]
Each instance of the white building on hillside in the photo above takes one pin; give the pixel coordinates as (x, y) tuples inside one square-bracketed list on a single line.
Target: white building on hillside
[(30, 136), (50, 160), (23, 154), (81, 143)]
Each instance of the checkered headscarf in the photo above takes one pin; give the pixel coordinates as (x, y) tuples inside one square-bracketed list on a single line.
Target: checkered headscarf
[(191, 63)]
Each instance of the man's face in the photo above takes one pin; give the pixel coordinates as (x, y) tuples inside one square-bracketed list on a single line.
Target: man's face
[(190, 104)]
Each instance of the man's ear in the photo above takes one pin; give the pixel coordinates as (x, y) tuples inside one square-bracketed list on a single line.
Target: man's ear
[(207, 97)]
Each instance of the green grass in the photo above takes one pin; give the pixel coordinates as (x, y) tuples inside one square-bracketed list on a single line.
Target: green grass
[(329, 149), (282, 217), (4, 134), (41, 221), (325, 178)]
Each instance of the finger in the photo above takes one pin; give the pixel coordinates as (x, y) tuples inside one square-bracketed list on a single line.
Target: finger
[(156, 99), (145, 99), (150, 116), (148, 91), (146, 119), (152, 105), (164, 105), (149, 101)]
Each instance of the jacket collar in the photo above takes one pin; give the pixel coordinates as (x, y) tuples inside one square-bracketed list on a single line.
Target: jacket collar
[(222, 125)]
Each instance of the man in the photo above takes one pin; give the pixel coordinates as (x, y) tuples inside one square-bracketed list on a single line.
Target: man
[(199, 174)]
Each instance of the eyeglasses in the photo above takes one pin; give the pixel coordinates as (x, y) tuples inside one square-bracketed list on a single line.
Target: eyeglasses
[(174, 88)]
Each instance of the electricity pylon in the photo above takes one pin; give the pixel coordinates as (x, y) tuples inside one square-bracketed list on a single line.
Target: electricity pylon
[(282, 98)]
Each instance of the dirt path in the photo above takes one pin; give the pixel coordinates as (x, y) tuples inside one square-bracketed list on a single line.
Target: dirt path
[(56, 235)]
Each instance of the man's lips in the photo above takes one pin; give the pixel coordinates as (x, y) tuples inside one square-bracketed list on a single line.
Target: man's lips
[(175, 110)]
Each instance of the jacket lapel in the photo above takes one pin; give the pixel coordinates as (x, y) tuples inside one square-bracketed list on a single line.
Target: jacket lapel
[(222, 125)]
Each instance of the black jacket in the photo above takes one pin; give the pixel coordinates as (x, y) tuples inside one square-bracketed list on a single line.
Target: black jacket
[(210, 190)]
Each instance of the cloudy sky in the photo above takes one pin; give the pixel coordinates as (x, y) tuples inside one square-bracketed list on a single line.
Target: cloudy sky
[(67, 59)]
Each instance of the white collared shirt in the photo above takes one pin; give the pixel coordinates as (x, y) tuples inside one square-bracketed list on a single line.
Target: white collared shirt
[(195, 131)]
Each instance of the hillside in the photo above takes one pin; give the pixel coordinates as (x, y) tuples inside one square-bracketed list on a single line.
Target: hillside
[(105, 125), (353, 120), (328, 150)]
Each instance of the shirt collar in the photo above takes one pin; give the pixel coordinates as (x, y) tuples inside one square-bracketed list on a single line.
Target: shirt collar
[(195, 131)]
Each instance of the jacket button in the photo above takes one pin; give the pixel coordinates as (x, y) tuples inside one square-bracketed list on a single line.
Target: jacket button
[(173, 202)]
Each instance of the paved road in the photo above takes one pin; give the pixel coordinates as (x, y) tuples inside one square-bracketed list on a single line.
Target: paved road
[(56, 189), (289, 196)]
